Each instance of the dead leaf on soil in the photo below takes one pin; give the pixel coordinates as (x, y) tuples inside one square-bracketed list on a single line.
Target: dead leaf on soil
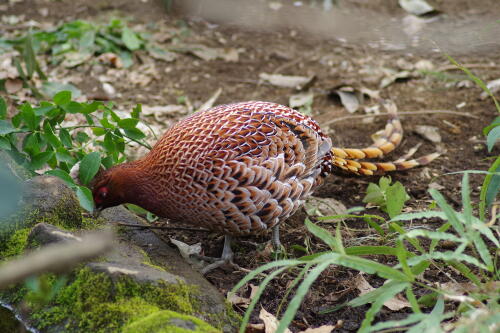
[(270, 322), (13, 85), (161, 54), (160, 112), (185, 249), (110, 59), (430, 133), (243, 301), (324, 207), (349, 100), (393, 76), (395, 304), (321, 329), (493, 86), (73, 59), (302, 99), (210, 53), (416, 7), (287, 81)]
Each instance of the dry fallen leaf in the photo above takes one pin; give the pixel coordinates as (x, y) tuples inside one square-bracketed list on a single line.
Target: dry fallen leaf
[(430, 133), (395, 304), (270, 322), (493, 86), (416, 7), (324, 206), (302, 99), (321, 329), (210, 53), (287, 81), (110, 59), (13, 85), (185, 249)]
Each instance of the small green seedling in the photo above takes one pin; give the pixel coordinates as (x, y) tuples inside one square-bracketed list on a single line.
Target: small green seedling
[(390, 198)]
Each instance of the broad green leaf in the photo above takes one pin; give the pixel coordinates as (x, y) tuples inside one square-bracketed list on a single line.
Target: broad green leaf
[(3, 108), (323, 234), (493, 188), (98, 131), (134, 133), (396, 198), (50, 89), (82, 137), (62, 175), (48, 134), (136, 111), (73, 107), (89, 167), (62, 98), (6, 127), (5, 143), (128, 123), (65, 138), (493, 137), (87, 41), (63, 155), (28, 116), (40, 159), (130, 39), (84, 195)]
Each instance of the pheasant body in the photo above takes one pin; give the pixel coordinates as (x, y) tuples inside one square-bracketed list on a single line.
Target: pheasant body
[(239, 168)]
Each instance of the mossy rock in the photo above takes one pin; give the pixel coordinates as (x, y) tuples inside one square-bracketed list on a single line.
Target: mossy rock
[(44, 199), (169, 322)]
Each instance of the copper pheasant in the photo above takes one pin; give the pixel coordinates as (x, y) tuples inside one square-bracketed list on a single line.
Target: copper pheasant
[(240, 168)]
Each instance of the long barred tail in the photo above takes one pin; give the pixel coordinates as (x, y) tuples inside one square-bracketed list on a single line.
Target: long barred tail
[(345, 158), (380, 168)]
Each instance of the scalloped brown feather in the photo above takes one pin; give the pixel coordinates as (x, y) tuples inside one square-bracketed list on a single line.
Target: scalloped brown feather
[(243, 168)]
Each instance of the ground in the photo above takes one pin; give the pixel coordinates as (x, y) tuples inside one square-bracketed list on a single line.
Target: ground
[(333, 63)]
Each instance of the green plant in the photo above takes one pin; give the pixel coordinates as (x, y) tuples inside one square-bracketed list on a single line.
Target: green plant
[(37, 138), (472, 258), (390, 198), (75, 42), (491, 183)]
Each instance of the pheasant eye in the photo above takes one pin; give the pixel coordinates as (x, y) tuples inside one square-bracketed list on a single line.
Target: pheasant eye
[(101, 194)]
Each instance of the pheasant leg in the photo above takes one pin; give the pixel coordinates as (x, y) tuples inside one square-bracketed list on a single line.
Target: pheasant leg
[(276, 238), (225, 259)]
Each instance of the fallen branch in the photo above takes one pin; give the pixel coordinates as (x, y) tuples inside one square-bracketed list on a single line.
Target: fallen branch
[(142, 226), (405, 113), (55, 258)]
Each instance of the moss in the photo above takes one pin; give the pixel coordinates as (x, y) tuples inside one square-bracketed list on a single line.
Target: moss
[(15, 244), (169, 322), (94, 302)]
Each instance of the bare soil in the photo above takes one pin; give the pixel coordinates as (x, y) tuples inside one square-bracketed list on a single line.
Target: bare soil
[(333, 63)]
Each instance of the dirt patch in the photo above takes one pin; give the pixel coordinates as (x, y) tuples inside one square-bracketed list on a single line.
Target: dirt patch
[(334, 63)]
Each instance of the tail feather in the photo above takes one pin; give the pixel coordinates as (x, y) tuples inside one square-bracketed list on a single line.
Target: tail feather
[(388, 141), (380, 168)]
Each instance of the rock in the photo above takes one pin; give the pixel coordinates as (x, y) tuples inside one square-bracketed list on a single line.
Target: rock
[(43, 199), (48, 198), (212, 303), (141, 282), (168, 321)]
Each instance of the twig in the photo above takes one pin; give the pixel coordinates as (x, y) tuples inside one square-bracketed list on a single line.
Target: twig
[(141, 226), (55, 258), (405, 113)]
